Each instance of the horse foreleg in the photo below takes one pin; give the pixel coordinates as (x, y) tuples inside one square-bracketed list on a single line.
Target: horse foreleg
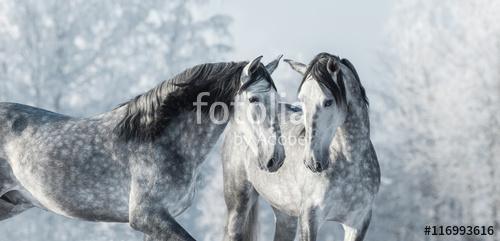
[(286, 226), (308, 226), (11, 204), (357, 234), (241, 202), (6, 209), (241, 220), (157, 225), (148, 214)]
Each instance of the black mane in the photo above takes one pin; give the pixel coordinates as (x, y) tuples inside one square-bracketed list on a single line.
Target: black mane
[(148, 114), (317, 68)]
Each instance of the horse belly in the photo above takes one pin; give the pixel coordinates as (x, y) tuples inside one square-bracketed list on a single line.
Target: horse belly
[(84, 189), (104, 200)]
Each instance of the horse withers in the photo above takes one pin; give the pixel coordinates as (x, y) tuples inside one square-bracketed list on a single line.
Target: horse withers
[(137, 163)]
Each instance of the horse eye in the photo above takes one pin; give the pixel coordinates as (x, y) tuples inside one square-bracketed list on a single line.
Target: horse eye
[(253, 99), (328, 103)]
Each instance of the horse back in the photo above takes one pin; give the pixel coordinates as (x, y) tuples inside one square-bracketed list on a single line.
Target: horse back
[(15, 118), (71, 166)]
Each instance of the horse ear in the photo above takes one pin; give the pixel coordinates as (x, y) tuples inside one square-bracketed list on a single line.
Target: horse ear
[(332, 66), (297, 66), (273, 64), (251, 67)]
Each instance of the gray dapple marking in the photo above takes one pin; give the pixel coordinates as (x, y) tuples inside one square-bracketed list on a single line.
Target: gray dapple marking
[(333, 175), (137, 163)]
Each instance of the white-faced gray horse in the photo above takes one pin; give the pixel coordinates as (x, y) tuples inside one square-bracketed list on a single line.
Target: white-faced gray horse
[(330, 172), (137, 163)]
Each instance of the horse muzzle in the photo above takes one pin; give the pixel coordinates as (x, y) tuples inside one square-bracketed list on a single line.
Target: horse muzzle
[(315, 165), (276, 161)]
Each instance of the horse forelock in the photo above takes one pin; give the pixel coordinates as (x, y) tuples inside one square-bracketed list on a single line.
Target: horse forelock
[(317, 69), (148, 114)]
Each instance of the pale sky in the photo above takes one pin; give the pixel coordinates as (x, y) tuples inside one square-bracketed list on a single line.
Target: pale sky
[(301, 29)]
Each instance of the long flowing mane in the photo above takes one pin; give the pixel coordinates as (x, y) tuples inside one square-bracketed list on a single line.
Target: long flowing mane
[(148, 114), (349, 65), (317, 68)]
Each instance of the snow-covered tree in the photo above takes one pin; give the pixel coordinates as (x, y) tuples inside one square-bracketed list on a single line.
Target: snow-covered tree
[(444, 79), (83, 56)]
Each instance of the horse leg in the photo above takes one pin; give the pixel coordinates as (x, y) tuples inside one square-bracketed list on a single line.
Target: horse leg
[(241, 219), (12, 201), (11, 204), (286, 226), (149, 238), (357, 234), (241, 202), (6, 209), (157, 224), (148, 215), (6, 206), (308, 226)]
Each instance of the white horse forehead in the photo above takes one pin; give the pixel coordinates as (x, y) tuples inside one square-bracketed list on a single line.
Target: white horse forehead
[(312, 90)]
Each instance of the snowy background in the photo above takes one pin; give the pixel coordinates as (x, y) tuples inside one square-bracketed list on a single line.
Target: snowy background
[(431, 70)]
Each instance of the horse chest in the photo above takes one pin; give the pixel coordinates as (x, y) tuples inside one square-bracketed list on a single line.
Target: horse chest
[(175, 163), (290, 189), (185, 201), (352, 187), (181, 189)]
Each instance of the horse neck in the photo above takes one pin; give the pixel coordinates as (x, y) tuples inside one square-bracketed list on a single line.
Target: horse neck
[(192, 137), (188, 138), (353, 137), (111, 118)]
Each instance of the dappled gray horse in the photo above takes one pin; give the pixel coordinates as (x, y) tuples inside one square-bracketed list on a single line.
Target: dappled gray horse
[(330, 172), (137, 163)]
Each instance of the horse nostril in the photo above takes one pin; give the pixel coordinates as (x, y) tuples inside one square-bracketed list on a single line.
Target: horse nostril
[(318, 166), (270, 163)]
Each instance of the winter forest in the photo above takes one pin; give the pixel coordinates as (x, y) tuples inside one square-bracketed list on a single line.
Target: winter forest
[(433, 80)]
